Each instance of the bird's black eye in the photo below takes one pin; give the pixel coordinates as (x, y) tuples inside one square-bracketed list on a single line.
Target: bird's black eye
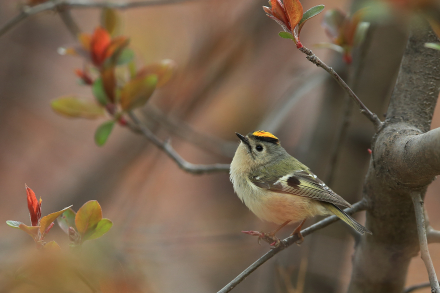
[(259, 148)]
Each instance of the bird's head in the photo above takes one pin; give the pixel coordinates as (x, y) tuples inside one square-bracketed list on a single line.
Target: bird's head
[(259, 148)]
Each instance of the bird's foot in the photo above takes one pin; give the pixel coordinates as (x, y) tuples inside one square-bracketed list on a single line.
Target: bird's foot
[(297, 232), (268, 237)]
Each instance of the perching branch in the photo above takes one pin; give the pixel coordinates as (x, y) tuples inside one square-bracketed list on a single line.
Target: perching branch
[(315, 60), (168, 149), (419, 211), (359, 206), (66, 4)]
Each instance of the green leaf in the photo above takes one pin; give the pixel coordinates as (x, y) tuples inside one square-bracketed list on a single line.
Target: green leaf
[(312, 12), (126, 56), (285, 35), (47, 220), (14, 224), (137, 92), (110, 20), (88, 216), (66, 220), (101, 228), (331, 46), (435, 46), (77, 108), (31, 230), (99, 92), (103, 132), (361, 32)]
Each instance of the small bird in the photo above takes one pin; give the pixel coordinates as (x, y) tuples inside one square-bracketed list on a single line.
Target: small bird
[(278, 188)]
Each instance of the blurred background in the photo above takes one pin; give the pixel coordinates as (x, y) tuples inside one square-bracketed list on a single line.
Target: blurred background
[(173, 231)]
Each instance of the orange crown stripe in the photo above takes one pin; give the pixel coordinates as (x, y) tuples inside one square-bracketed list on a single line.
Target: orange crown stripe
[(262, 133)]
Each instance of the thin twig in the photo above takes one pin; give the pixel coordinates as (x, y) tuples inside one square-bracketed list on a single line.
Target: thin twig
[(421, 229), (359, 206), (315, 60), (186, 132), (432, 235), (168, 149), (416, 287), (65, 4)]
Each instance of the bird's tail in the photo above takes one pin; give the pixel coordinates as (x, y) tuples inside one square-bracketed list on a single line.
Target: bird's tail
[(347, 219)]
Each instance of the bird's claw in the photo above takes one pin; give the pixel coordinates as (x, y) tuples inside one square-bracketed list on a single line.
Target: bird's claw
[(268, 237)]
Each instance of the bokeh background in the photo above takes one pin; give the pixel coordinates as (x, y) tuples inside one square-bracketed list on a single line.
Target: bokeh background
[(173, 231)]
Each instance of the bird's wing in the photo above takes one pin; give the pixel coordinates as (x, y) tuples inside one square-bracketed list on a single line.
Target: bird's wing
[(300, 183)]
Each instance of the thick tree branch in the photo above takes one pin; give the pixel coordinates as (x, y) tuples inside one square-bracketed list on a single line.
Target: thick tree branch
[(421, 229), (359, 206), (168, 149), (66, 4), (380, 263), (318, 62)]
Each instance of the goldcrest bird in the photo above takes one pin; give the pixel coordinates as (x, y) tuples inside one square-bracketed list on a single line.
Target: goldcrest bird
[(278, 188)]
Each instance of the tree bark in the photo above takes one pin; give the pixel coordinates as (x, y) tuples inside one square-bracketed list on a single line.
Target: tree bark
[(405, 159)]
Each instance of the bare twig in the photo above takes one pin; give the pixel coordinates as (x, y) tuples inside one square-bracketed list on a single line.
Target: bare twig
[(359, 206), (315, 60), (65, 4), (432, 235), (419, 211), (185, 131), (168, 149), (416, 287)]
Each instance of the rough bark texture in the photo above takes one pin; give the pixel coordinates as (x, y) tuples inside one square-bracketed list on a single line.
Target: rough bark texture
[(374, 84), (397, 167)]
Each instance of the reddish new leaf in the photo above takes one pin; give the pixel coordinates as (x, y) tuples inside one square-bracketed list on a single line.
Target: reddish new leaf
[(88, 216), (278, 11), (294, 12), (115, 49), (34, 206), (98, 45)]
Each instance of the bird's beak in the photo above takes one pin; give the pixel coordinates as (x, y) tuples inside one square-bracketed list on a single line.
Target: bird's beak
[(243, 139)]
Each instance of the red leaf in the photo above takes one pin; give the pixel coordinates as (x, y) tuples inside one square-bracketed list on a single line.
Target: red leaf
[(34, 206), (98, 45), (294, 11), (351, 26), (279, 12), (116, 46), (85, 76)]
